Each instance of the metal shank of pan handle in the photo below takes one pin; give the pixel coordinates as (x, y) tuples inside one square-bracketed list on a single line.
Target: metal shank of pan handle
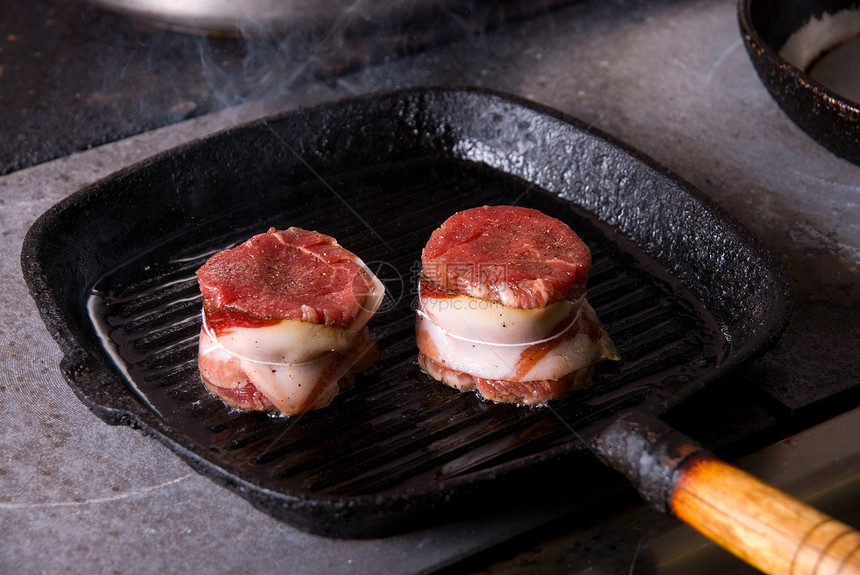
[(760, 524)]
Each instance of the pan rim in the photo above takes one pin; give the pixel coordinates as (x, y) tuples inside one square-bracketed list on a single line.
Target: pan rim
[(79, 365)]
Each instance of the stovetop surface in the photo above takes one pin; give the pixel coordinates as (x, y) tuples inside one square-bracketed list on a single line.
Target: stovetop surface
[(76, 76), (85, 93)]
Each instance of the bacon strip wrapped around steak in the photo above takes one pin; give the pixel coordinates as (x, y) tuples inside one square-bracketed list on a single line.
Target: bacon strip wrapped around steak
[(284, 321), (502, 306)]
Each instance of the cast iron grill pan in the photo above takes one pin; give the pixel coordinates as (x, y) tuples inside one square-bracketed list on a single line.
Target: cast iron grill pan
[(684, 291)]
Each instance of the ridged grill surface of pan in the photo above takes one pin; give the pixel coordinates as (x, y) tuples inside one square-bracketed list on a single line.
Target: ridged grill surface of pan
[(685, 292), (398, 428)]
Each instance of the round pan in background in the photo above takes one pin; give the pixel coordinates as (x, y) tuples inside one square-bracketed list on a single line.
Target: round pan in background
[(786, 40)]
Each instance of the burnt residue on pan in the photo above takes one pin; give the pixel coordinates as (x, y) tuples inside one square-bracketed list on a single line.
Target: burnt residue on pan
[(830, 118), (684, 291)]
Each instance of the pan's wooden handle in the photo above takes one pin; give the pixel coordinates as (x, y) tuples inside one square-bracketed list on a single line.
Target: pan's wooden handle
[(760, 524)]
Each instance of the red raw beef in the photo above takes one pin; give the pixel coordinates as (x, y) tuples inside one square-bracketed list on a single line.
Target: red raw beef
[(285, 317), (519, 260), (516, 256), (289, 274)]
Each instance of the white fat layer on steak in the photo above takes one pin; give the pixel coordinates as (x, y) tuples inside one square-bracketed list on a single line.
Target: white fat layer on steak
[(288, 386), (490, 340), (290, 341), (489, 322), (371, 301)]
